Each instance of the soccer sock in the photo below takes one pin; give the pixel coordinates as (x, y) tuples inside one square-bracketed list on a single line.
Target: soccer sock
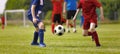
[(41, 34), (90, 34), (95, 35), (53, 25), (35, 37)]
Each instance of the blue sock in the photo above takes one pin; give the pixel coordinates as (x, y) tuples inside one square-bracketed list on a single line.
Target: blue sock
[(41, 34), (35, 38)]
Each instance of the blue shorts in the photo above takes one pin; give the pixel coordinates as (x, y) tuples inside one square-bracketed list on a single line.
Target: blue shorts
[(31, 19)]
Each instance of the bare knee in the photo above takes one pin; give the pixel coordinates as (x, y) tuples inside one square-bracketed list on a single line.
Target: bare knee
[(41, 25), (92, 29)]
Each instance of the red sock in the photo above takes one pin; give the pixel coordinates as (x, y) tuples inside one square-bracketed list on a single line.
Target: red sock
[(90, 34), (95, 35), (52, 28)]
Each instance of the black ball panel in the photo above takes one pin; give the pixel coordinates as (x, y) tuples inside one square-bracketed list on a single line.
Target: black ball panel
[(60, 34), (59, 28)]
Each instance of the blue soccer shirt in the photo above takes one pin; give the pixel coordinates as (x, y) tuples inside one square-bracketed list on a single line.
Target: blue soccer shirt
[(71, 4), (39, 5)]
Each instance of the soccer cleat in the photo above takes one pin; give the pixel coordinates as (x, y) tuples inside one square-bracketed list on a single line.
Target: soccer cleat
[(34, 43), (42, 45), (74, 31), (98, 45)]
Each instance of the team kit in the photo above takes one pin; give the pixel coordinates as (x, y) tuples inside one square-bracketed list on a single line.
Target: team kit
[(65, 12)]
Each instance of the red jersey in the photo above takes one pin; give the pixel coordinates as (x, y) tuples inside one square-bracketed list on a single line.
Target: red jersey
[(57, 6), (89, 8)]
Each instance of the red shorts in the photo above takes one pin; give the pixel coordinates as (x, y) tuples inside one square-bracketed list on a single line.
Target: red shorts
[(86, 24)]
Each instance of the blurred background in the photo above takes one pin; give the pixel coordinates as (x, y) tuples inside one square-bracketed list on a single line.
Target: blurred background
[(111, 11)]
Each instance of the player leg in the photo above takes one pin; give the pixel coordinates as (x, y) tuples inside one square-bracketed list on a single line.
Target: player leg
[(3, 25), (35, 37), (94, 34), (86, 26), (67, 25), (68, 21), (74, 26), (41, 34), (3, 22), (52, 27), (55, 21), (53, 24), (74, 22)]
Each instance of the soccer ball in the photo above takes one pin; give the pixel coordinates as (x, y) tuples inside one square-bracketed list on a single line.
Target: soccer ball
[(59, 30)]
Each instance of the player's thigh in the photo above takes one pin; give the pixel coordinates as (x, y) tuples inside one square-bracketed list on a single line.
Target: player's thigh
[(57, 18)]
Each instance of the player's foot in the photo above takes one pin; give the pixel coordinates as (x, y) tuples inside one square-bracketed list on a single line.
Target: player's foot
[(34, 43), (42, 45), (98, 45), (74, 31)]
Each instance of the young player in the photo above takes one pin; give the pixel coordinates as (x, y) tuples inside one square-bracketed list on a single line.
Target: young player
[(71, 7), (56, 13), (90, 18), (33, 16)]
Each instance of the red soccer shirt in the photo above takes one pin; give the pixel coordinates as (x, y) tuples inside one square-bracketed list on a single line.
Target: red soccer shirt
[(57, 6), (89, 8)]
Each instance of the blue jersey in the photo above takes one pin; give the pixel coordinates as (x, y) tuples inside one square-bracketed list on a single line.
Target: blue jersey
[(39, 6), (71, 4)]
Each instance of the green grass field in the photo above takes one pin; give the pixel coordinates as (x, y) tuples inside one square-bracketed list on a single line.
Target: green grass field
[(17, 39)]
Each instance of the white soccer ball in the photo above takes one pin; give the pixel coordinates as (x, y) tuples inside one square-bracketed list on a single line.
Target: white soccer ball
[(59, 30)]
